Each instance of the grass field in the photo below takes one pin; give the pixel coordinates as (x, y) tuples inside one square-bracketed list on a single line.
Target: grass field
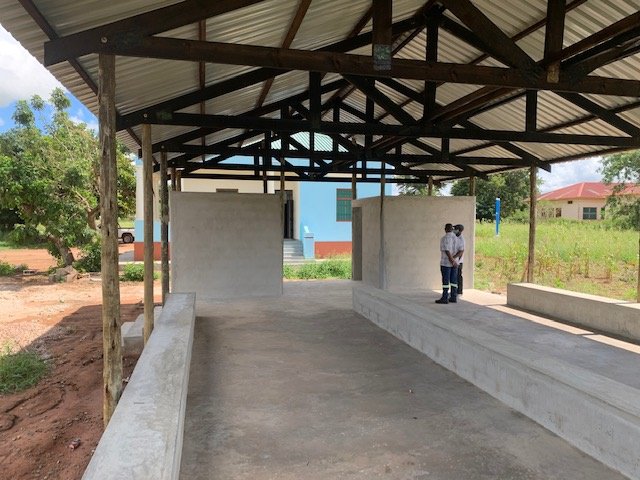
[(580, 256)]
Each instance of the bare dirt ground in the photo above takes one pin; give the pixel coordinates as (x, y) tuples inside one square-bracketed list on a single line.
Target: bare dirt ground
[(62, 322)]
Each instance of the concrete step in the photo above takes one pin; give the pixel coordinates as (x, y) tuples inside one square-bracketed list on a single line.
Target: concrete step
[(583, 390), (132, 339)]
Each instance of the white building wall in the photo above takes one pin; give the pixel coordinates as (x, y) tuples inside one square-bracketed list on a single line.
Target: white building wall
[(226, 245), (573, 210)]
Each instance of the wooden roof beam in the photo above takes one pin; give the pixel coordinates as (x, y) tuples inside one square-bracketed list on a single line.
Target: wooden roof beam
[(414, 131), (251, 78), (335, 62)]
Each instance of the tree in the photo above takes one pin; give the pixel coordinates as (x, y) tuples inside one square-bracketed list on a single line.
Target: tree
[(623, 170), (511, 187), (50, 176), (415, 189)]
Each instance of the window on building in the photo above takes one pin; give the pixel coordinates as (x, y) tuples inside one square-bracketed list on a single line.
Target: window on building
[(589, 213), (343, 205), (570, 202), (558, 212), (227, 190)]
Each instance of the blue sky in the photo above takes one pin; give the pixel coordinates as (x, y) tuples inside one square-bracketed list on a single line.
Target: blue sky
[(22, 77)]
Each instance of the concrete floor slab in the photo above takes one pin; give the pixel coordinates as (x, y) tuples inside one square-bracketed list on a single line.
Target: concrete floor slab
[(302, 387)]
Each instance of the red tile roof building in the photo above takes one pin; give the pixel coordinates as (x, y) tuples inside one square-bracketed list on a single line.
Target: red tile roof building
[(580, 201)]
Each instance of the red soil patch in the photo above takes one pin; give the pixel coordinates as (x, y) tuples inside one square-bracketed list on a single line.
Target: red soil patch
[(62, 322)]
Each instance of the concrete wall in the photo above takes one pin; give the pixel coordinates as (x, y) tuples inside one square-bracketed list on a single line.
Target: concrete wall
[(226, 245), (591, 311), (143, 440), (413, 227), (573, 210), (598, 415)]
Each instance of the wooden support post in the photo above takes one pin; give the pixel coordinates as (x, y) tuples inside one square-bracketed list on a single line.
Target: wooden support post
[(174, 180), (164, 226), (382, 260), (472, 186), (111, 336), (430, 186), (431, 55), (382, 17), (531, 262), (147, 175), (179, 181), (354, 185)]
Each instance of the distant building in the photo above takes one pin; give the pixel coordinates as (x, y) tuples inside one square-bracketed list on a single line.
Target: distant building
[(316, 215), (580, 201)]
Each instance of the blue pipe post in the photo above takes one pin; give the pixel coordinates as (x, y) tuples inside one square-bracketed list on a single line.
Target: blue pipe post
[(497, 217)]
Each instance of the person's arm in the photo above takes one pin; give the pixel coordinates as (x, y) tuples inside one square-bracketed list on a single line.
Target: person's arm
[(452, 259)]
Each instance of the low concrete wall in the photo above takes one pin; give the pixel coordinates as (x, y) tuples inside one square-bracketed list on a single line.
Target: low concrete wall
[(226, 245), (597, 415), (590, 311), (143, 440), (412, 227)]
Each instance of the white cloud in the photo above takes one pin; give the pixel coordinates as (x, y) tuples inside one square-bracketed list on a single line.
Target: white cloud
[(568, 173), (22, 75)]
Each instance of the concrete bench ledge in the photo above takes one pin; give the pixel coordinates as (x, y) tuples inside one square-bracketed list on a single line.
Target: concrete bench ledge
[(598, 415), (607, 315), (143, 440)]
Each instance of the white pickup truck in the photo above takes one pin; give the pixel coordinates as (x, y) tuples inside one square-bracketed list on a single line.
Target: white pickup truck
[(126, 235)]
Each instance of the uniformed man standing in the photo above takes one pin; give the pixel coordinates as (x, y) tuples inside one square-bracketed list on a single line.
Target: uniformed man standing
[(457, 230), (448, 266)]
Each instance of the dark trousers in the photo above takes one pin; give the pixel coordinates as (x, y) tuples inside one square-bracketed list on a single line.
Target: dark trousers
[(459, 279), (449, 279)]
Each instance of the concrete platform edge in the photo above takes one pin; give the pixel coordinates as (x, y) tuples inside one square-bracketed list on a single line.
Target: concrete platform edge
[(611, 316), (143, 440), (599, 416)]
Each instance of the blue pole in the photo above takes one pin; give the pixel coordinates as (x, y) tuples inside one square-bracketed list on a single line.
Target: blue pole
[(497, 216)]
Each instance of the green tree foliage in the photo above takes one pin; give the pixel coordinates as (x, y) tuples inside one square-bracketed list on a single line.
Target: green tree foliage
[(624, 169), (511, 187), (417, 189), (50, 176)]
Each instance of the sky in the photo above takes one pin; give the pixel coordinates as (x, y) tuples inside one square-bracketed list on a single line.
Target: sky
[(22, 76)]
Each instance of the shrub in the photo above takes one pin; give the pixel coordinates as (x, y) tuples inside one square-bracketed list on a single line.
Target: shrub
[(331, 268), (90, 259), (20, 370), (134, 272), (6, 269)]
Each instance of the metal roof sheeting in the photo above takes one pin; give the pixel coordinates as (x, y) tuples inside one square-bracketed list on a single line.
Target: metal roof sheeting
[(145, 82)]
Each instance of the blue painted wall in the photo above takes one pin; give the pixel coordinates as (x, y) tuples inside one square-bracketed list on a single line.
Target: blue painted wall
[(318, 209)]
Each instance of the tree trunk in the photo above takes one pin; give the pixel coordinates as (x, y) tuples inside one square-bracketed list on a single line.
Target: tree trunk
[(91, 218), (66, 255)]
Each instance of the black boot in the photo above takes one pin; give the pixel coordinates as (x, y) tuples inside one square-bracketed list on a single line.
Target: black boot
[(454, 295), (445, 297)]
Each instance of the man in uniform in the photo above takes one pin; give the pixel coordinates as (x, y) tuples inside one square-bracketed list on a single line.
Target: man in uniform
[(457, 230), (448, 266)]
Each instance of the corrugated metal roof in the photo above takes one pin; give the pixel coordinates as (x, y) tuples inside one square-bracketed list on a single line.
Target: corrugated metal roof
[(142, 82)]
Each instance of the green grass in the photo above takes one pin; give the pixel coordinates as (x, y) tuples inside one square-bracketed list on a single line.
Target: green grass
[(134, 272), (587, 257), (337, 267), (20, 370)]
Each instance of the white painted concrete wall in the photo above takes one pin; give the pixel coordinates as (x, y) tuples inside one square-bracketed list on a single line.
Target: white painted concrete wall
[(413, 227), (226, 245), (573, 210), (210, 185)]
